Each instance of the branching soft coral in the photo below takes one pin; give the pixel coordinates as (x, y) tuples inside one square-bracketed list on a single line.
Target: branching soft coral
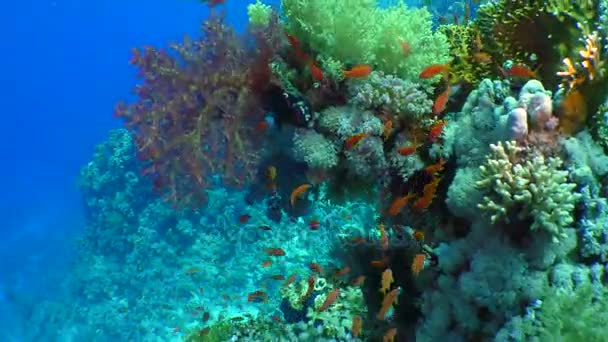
[(362, 32), (194, 114)]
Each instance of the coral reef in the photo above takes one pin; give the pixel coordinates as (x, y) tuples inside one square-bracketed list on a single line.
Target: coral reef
[(454, 180)]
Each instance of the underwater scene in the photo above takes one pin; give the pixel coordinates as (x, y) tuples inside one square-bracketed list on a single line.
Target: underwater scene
[(348, 170)]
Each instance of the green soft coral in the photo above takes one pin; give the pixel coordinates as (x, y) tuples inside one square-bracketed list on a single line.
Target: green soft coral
[(259, 13), (361, 32)]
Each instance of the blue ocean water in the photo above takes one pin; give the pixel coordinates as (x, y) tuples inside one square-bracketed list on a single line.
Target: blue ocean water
[(398, 174), (65, 65)]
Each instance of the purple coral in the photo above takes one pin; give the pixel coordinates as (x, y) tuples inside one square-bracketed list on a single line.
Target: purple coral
[(195, 115)]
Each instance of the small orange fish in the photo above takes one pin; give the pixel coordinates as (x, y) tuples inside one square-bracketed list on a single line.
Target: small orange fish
[(482, 57), (244, 218), (399, 203), (290, 280), (418, 235), (267, 263), (277, 319), (329, 300), (317, 73), (206, 316), (275, 251), (388, 129), (407, 150), (358, 71), (316, 268), (297, 47), (521, 71), (435, 168), (379, 263), (314, 224), (343, 271), (433, 70), (358, 281), (387, 281), (388, 300), (277, 277), (436, 130), (390, 335), (257, 296), (311, 287), (418, 264), (205, 331), (353, 141), (297, 192), (356, 327), (406, 48), (441, 101), (261, 127), (383, 237)]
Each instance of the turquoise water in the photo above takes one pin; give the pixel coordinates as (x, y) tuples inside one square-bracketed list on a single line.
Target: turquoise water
[(305, 171)]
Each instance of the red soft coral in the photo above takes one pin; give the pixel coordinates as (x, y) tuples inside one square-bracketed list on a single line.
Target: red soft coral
[(195, 113)]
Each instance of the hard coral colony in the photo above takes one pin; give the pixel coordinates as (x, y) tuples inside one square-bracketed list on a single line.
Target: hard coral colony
[(350, 171)]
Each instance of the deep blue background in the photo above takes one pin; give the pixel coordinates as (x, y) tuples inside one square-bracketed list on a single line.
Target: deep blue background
[(64, 66)]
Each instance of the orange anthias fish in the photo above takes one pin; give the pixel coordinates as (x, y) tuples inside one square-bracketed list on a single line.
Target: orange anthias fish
[(407, 150), (297, 192), (343, 271), (418, 264), (390, 335), (521, 71), (388, 129), (317, 73), (387, 302), (383, 237), (399, 203), (436, 130), (387, 281), (418, 235), (257, 296), (275, 251), (353, 141), (435, 168), (441, 101), (329, 300), (314, 224), (290, 280), (358, 71), (316, 268), (433, 70), (311, 287), (482, 57), (267, 263)]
